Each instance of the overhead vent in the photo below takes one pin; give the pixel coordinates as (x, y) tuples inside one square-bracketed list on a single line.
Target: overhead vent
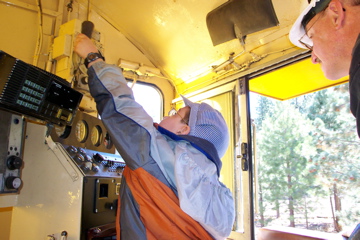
[(238, 18)]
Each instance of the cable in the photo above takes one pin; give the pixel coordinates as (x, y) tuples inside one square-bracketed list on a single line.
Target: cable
[(88, 10), (40, 35)]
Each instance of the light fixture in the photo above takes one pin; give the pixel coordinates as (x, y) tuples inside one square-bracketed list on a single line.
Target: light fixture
[(139, 68)]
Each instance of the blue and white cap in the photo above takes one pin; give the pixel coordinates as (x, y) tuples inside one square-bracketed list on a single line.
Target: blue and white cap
[(298, 29), (207, 123)]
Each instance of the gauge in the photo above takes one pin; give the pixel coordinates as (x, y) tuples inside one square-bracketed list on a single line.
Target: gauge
[(62, 131), (107, 141), (96, 135), (81, 131)]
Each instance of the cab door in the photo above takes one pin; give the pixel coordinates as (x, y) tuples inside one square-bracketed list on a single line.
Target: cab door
[(244, 227)]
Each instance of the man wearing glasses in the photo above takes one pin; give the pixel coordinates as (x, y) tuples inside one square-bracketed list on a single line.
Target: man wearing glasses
[(330, 29), (170, 187)]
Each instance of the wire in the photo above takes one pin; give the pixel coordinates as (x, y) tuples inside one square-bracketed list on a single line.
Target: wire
[(88, 10), (40, 35)]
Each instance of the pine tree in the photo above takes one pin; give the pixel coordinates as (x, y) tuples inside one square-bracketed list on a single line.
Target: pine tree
[(336, 163), (284, 146)]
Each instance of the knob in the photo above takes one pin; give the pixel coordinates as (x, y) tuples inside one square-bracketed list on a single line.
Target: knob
[(79, 158), (109, 205), (86, 167), (14, 162), (95, 169), (98, 158), (106, 163), (82, 151), (13, 182), (87, 158), (64, 235), (72, 150)]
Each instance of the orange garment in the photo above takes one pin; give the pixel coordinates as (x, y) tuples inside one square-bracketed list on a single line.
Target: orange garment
[(159, 209)]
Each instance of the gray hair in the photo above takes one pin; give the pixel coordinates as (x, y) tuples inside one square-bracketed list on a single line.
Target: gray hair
[(353, 2)]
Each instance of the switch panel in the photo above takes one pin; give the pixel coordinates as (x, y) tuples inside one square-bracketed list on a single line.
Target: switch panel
[(11, 151)]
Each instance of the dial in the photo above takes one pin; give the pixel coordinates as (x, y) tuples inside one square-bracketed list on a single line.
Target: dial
[(62, 131), (14, 162), (107, 141), (81, 131), (13, 182), (96, 135)]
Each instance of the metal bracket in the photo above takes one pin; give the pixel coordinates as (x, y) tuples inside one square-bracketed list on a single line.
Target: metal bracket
[(63, 158)]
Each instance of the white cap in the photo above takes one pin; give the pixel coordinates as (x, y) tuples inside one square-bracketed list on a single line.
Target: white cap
[(298, 31)]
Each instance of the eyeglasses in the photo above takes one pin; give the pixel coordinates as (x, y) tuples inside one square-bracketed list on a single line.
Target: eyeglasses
[(174, 112), (305, 37), (302, 40)]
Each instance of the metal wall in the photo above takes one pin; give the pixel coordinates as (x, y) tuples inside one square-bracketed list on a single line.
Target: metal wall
[(28, 33)]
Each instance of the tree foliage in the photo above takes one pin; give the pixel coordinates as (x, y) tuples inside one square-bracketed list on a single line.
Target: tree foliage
[(285, 147), (308, 147)]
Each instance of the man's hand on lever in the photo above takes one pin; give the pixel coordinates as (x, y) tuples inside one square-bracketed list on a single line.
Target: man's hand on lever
[(83, 46)]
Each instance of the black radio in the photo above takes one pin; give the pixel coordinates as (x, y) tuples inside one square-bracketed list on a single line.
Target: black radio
[(31, 91)]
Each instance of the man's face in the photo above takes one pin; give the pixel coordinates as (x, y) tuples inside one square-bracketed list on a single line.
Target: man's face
[(175, 122), (328, 46)]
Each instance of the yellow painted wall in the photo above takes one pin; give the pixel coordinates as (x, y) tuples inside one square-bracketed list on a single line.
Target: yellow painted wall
[(5, 221)]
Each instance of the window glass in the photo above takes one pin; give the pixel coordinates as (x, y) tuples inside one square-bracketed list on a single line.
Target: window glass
[(308, 155), (150, 98)]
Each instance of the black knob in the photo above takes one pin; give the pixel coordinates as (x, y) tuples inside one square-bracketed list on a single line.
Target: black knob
[(13, 182), (112, 205), (109, 205), (14, 162), (87, 28), (98, 158)]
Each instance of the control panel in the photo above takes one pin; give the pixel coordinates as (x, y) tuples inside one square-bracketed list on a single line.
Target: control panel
[(11, 151), (90, 147), (96, 164)]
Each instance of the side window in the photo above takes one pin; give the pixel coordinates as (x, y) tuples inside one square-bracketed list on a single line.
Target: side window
[(150, 98)]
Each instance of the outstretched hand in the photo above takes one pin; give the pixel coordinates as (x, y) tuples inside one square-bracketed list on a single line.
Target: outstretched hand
[(83, 45)]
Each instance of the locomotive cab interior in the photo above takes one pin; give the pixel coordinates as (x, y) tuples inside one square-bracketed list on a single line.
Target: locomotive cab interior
[(60, 172)]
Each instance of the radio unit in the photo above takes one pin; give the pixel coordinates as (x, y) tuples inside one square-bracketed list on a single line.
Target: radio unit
[(31, 91)]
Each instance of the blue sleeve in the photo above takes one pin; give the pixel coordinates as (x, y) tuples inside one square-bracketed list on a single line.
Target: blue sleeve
[(126, 121)]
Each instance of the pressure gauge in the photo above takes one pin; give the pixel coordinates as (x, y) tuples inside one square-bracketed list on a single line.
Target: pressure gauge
[(62, 131), (107, 141), (81, 131), (96, 135)]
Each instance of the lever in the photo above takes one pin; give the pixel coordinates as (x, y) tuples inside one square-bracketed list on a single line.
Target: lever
[(64, 235), (87, 28)]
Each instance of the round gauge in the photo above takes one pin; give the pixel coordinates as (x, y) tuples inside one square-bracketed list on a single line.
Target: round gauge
[(62, 131), (107, 141), (96, 135), (81, 131)]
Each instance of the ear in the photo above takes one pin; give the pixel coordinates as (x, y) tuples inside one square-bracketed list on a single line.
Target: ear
[(337, 13), (185, 130)]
